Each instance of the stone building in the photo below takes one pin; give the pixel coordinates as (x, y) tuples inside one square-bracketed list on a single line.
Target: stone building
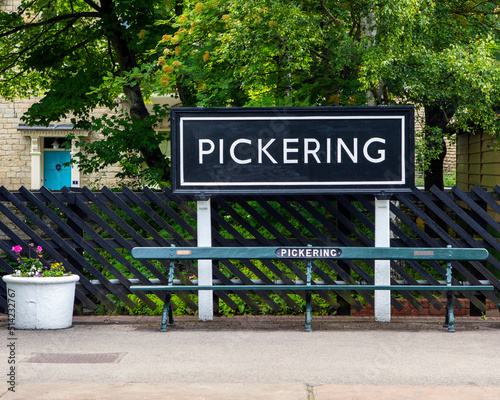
[(34, 156)]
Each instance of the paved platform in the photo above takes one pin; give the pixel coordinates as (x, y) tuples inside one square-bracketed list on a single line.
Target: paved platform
[(244, 391), (256, 358)]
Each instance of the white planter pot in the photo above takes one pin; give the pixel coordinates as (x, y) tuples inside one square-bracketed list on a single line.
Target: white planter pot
[(41, 302)]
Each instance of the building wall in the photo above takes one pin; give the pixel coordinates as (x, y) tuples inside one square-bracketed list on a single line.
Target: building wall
[(15, 159), (450, 162), (9, 5), (17, 146)]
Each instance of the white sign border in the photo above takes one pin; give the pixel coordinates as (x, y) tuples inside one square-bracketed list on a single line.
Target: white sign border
[(183, 183)]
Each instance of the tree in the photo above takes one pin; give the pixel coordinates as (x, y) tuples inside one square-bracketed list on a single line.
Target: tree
[(78, 55), (440, 56), (272, 52)]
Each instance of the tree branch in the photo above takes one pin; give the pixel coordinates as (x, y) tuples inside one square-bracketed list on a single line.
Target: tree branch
[(317, 54), (37, 40), (333, 18), (77, 46), (93, 5), (51, 20)]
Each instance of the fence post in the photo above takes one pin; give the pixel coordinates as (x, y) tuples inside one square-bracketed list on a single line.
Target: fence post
[(382, 267), (215, 264), (344, 306), (204, 237)]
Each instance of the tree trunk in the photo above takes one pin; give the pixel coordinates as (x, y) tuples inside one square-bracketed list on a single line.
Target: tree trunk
[(126, 60), (436, 117)]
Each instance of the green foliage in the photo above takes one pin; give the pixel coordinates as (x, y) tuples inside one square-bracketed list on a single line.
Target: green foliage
[(303, 58), (142, 309), (441, 56), (102, 309), (179, 308), (449, 179), (121, 134), (284, 309)]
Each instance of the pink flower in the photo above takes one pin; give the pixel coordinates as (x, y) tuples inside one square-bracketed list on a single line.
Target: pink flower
[(39, 249), (17, 249)]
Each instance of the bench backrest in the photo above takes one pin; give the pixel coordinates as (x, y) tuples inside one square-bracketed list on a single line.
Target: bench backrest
[(309, 253)]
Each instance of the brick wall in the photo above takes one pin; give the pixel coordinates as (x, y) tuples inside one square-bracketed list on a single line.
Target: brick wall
[(427, 309)]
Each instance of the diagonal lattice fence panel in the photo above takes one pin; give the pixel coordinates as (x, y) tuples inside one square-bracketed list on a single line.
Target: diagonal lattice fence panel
[(92, 234)]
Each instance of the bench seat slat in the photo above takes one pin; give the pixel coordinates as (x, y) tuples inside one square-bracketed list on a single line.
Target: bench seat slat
[(348, 253)]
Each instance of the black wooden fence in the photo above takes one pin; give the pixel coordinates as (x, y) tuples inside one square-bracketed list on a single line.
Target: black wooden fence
[(92, 233)]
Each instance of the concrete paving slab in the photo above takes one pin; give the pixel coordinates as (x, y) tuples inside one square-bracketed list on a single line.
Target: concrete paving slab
[(155, 391), (359, 392), (243, 391)]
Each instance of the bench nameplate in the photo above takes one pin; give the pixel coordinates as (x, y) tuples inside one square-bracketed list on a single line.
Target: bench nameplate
[(429, 253), (314, 253), (183, 252)]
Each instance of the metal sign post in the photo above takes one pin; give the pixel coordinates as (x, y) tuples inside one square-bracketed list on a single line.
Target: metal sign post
[(204, 236), (382, 267)]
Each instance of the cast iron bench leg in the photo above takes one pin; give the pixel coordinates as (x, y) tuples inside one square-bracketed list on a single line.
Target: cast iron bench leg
[(167, 308), (167, 313), (307, 325), (450, 315)]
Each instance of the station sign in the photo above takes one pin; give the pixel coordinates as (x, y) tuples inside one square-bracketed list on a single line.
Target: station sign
[(309, 150)]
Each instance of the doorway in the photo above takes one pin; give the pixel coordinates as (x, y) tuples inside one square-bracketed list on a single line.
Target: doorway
[(56, 175)]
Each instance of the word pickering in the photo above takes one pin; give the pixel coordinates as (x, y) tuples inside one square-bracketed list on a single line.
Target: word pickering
[(292, 150)]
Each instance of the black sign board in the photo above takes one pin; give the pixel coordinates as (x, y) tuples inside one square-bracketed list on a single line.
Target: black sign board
[(292, 150)]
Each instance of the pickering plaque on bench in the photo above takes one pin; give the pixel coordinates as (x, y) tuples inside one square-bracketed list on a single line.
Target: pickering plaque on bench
[(272, 150), (308, 253)]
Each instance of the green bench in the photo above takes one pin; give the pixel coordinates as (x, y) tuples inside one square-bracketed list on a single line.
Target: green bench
[(308, 254)]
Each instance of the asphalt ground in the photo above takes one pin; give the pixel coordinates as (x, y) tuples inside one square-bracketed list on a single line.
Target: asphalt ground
[(264, 357)]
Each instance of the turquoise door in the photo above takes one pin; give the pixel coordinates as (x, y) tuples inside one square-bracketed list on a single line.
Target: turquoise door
[(55, 174)]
